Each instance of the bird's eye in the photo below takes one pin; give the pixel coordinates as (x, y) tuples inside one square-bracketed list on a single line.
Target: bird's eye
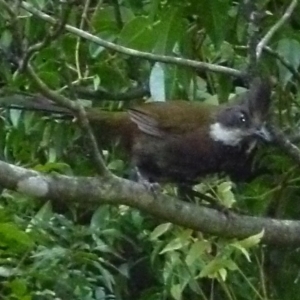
[(242, 118)]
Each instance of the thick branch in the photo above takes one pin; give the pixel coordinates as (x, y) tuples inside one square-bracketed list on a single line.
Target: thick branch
[(115, 191)]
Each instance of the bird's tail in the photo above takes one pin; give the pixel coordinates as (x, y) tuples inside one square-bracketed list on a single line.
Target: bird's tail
[(108, 127)]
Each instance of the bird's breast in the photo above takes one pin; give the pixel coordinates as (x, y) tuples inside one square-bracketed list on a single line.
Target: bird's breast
[(186, 158)]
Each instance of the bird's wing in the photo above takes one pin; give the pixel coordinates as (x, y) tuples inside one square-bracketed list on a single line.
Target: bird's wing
[(145, 123), (173, 117)]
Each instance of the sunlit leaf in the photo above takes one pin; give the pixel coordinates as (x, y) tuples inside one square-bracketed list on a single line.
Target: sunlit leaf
[(13, 237), (196, 250), (252, 240), (157, 83), (176, 291), (160, 230), (213, 268), (225, 194), (175, 244)]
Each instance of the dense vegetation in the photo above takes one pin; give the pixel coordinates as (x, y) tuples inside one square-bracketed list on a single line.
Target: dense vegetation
[(67, 250)]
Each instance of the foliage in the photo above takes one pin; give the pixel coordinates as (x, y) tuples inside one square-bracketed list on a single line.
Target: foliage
[(62, 251)]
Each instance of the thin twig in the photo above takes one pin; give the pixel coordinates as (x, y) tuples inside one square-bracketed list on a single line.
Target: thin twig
[(284, 143), (78, 41), (85, 126), (57, 30), (131, 52), (137, 92), (77, 109), (15, 24), (278, 56), (252, 17), (265, 40)]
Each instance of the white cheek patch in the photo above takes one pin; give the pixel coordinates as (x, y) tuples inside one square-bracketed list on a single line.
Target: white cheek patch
[(229, 137)]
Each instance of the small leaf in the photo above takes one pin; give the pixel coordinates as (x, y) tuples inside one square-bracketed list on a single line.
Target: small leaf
[(252, 240), (197, 249), (157, 83), (214, 15), (223, 274), (174, 245), (43, 215), (95, 50), (213, 269), (160, 230), (243, 250), (18, 287), (176, 291), (169, 31), (40, 4), (15, 115), (224, 191), (7, 272), (116, 165), (138, 34), (13, 237), (6, 39), (290, 50)]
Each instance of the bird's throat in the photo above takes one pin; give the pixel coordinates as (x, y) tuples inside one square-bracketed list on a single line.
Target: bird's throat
[(225, 135)]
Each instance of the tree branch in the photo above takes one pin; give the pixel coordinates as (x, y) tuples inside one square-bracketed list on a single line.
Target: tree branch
[(77, 109), (131, 52), (114, 191), (265, 40), (284, 143)]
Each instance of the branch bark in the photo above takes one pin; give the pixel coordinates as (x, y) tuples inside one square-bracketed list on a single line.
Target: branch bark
[(114, 191)]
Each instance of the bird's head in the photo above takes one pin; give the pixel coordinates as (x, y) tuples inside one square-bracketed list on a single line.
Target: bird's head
[(246, 118)]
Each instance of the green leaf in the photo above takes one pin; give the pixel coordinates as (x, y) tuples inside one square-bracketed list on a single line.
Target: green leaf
[(252, 240), (290, 50), (223, 274), (15, 115), (216, 267), (226, 196), (43, 215), (95, 50), (160, 230), (40, 4), (243, 250), (196, 250), (176, 291), (169, 31), (175, 244), (7, 272), (116, 165), (13, 237), (214, 15), (5, 39), (104, 19), (18, 287), (138, 34)]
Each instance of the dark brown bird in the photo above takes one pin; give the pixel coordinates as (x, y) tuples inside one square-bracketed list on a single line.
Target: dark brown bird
[(180, 141)]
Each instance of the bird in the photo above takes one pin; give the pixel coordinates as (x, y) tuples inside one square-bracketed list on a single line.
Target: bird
[(185, 141), (182, 141)]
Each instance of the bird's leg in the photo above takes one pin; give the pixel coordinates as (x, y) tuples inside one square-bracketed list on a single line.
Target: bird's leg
[(152, 187)]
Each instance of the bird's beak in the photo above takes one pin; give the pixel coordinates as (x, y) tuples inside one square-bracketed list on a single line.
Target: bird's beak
[(263, 133)]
